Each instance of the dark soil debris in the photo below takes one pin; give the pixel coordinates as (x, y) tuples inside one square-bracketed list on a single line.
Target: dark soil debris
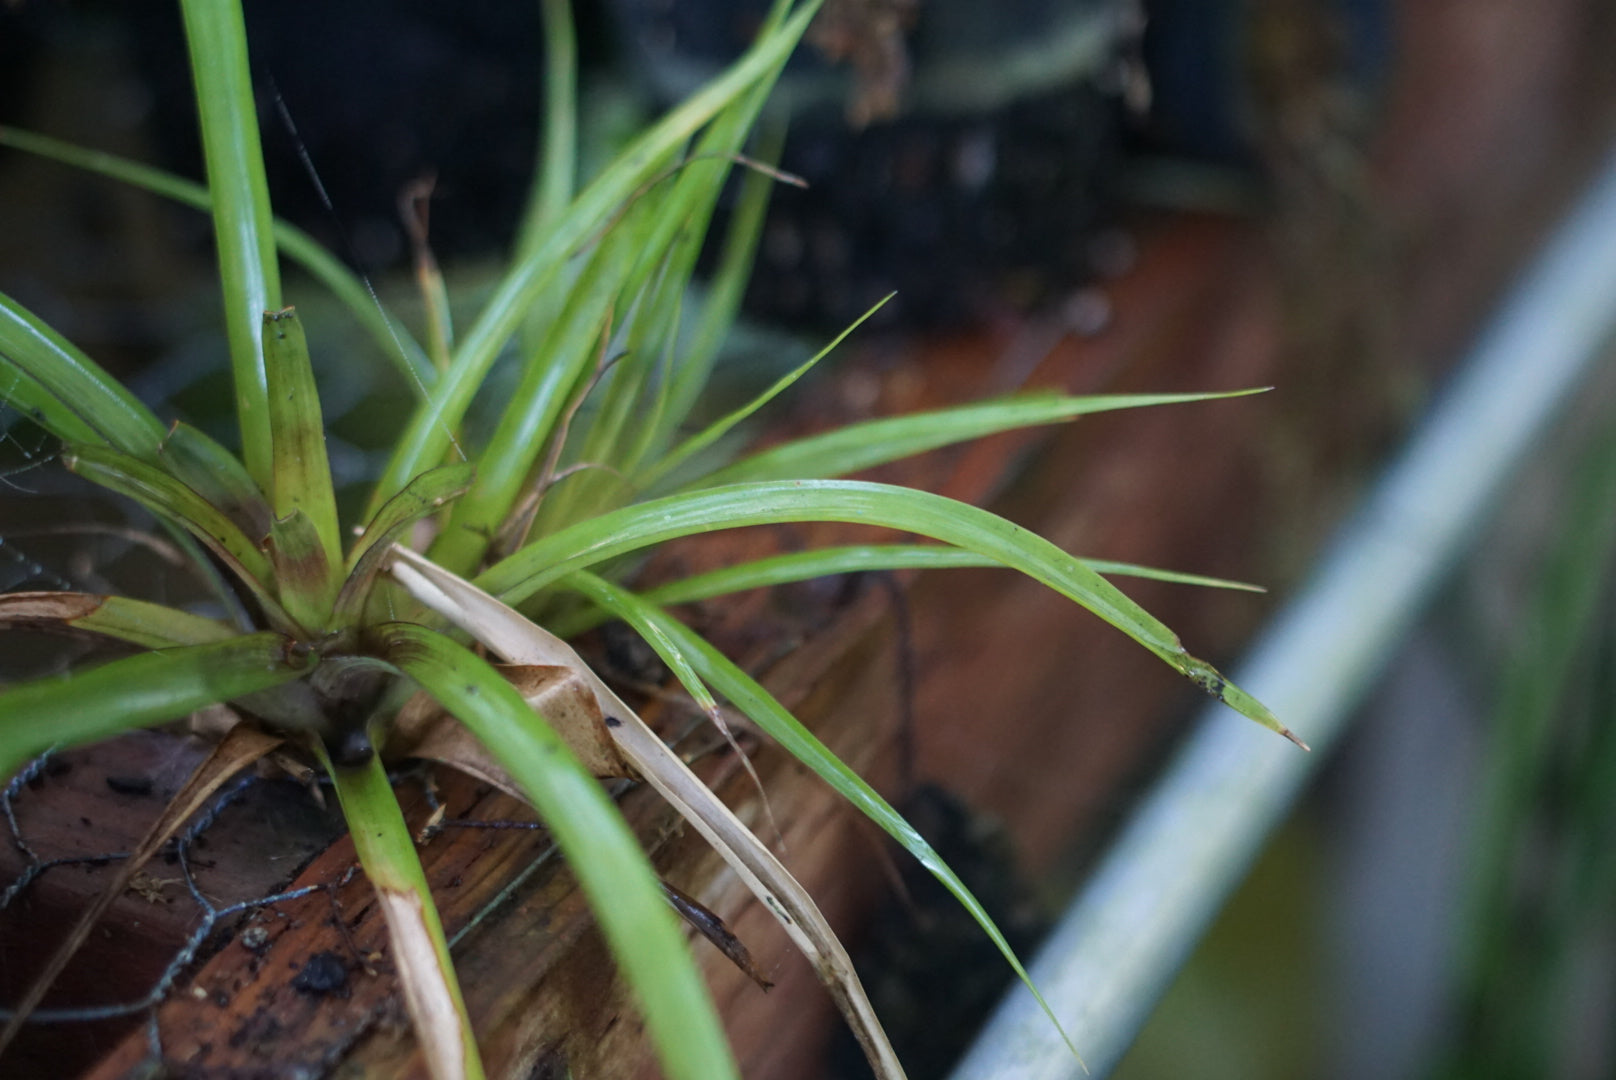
[(140, 786), (324, 973)]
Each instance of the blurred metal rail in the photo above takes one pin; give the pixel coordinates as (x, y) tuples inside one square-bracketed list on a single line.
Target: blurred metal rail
[(1197, 830)]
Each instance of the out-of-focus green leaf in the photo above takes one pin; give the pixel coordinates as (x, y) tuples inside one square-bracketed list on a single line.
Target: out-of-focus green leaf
[(683, 385), (391, 337), (558, 156), (528, 423), (644, 393), (876, 442), (429, 435)]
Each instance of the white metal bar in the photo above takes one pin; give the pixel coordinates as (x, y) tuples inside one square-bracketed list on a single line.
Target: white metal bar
[(1197, 831)]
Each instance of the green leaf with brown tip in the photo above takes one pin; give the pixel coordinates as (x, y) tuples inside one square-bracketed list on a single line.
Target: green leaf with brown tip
[(420, 951), (138, 622), (642, 525), (304, 580), (302, 472)]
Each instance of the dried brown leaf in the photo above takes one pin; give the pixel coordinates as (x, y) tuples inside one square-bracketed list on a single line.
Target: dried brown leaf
[(701, 919), (424, 730), (517, 639)]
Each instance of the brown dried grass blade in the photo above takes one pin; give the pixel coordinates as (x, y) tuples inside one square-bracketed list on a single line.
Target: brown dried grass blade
[(517, 639), (424, 729), (701, 919)]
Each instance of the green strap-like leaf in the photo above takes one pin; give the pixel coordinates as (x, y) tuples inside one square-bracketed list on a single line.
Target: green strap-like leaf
[(722, 426), (305, 580), (217, 475), (420, 951), (679, 220), (633, 527), (302, 473), (391, 337), (425, 495), (558, 156), (242, 227), (138, 622), (428, 436), (25, 394), (175, 503), (876, 442), (700, 661), (652, 244), (864, 558), (137, 692), (640, 613), (61, 416), (528, 422), (684, 383), (602, 852), (66, 391), (854, 559)]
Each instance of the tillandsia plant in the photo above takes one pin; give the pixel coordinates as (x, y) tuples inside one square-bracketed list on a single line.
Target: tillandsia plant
[(340, 649)]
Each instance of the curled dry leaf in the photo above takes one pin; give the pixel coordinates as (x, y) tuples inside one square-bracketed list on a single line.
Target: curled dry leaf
[(710, 926), (48, 610), (505, 631), (424, 730)]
